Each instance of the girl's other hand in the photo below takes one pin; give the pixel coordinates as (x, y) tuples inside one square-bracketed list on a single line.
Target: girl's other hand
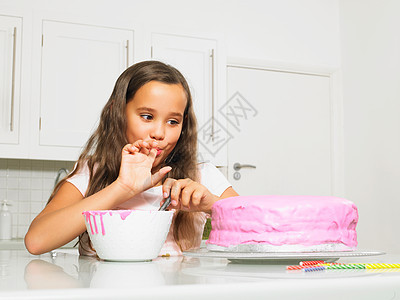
[(188, 195), (136, 165)]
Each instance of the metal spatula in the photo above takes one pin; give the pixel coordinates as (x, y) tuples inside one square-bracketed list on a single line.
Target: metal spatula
[(166, 203)]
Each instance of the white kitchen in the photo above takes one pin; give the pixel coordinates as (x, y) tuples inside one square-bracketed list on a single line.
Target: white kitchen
[(292, 97)]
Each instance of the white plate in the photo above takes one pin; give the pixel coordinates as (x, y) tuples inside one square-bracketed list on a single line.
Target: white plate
[(278, 257)]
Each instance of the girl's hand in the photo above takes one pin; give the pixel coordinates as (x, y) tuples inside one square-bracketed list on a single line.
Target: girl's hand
[(188, 195), (136, 165)]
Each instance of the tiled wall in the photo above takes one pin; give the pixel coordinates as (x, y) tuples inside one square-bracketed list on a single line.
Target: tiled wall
[(27, 184)]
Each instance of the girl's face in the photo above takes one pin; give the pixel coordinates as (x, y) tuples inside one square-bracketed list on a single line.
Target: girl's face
[(156, 113)]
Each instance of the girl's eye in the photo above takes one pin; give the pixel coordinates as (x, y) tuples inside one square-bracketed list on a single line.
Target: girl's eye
[(147, 117), (173, 122)]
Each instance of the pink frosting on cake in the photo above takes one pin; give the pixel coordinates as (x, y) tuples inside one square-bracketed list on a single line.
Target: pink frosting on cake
[(284, 220)]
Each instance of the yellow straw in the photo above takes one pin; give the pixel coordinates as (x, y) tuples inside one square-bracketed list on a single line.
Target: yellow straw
[(382, 266)]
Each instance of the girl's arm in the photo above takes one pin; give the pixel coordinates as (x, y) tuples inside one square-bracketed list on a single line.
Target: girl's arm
[(229, 192)]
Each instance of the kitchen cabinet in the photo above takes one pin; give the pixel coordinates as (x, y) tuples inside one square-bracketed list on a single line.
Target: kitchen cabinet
[(10, 79), (69, 70), (200, 61), (79, 66), (195, 59)]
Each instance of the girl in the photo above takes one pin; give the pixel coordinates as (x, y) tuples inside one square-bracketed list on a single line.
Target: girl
[(150, 117)]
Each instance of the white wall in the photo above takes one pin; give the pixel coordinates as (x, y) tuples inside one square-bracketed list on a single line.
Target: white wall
[(27, 185), (371, 92)]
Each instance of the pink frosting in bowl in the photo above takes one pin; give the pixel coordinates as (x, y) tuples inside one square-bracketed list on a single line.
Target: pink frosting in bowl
[(127, 235)]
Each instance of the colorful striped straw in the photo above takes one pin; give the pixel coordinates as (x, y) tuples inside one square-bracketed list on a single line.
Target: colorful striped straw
[(345, 266), (294, 267), (318, 265), (363, 266), (314, 268), (308, 264), (311, 262), (382, 266)]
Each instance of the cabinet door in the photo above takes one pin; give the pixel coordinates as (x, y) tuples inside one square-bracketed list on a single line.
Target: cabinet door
[(80, 65), (195, 59), (10, 65)]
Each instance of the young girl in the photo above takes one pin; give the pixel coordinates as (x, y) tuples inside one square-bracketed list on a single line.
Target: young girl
[(143, 150)]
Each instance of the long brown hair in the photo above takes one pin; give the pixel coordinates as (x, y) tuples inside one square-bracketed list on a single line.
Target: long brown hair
[(102, 152)]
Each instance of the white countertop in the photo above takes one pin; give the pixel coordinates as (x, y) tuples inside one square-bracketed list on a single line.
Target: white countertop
[(18, 244), (69, 276)]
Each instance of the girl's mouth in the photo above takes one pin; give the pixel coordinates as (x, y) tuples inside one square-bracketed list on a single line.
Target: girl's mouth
[(159, 151)]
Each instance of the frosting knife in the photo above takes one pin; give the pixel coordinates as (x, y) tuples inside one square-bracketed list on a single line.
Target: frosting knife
[(166, 203)]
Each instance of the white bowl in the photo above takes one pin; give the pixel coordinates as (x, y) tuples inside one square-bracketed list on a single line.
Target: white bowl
[(128, 235)]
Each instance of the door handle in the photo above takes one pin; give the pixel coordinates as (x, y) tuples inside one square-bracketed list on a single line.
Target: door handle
[(238, 166)]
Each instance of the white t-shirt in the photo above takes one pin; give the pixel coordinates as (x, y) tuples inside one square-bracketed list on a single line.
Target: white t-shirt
[(150, 199)]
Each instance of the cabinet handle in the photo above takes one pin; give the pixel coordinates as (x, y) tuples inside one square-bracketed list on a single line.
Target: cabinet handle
[(212, 94), (127, 53), (13, 79)]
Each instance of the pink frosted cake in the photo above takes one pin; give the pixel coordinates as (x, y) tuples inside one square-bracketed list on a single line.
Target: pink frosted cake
[(283, 224)]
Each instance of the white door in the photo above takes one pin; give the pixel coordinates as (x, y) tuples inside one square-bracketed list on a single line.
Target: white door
[(80, 65), (10, 65), (281, 128)]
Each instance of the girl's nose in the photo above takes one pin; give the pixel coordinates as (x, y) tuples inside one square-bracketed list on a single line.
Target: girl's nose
[(158, 132)]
